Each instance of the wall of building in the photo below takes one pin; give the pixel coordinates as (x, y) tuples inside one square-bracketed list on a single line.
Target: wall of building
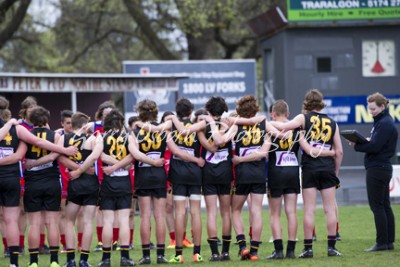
[(295, 55)]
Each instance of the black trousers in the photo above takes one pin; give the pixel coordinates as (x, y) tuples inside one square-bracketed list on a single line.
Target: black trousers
[(378, 180)]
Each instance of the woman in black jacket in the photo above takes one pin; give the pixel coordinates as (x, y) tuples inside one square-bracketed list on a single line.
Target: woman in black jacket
[(378, 151)]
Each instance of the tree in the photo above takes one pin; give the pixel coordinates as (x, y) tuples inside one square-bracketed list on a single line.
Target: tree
[(211, 29), (11, 18), (96, 35)]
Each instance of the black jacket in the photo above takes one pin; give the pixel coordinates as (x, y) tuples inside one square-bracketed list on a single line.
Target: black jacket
[(383, 142)]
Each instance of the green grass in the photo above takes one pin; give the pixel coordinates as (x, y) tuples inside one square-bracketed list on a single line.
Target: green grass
[(356, 229)]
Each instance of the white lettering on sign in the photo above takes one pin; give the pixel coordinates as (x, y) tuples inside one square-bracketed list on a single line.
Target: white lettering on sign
[(84, 84), (330, 4)]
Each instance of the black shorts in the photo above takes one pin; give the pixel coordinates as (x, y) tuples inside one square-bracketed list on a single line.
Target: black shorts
[(246, 189), (216, 189), (181, 191), (320, 179), (278, 192), (10, 192), (155, 192), (282, 184), (42, 196), (83, 200), (116, 202)]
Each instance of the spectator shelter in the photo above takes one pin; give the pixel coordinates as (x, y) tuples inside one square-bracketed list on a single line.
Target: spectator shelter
[(82, 92)]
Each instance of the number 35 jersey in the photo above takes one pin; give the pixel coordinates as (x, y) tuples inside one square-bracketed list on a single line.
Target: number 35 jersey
[(249, 139), (319, 132), (153, 145)]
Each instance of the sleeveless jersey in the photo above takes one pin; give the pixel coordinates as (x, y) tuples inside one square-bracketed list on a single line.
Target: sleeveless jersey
[(319, 132), (116, 146), (218, 166), (153, 145), (86, 183), (44, 171), (249, 139), (182, 172), (9, 146), (283, 160)]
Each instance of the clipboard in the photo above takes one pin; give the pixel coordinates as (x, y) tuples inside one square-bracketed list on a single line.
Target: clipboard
[(353, 136)]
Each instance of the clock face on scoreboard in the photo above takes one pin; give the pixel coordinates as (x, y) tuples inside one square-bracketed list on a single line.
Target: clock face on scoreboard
[(378, 58)]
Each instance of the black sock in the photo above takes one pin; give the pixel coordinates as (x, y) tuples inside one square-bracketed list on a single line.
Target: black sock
[(106, 253), (196, 249), (14, 253), (307, 243), (254, 247), (178, 250), (241, 241), (160, 249), (146, 250), (226, 242), (70, 254), (291, 245), (125, 251), (331, 241), (84, 255), (278, 244), (213, 241), (54, 254), (34, 255)]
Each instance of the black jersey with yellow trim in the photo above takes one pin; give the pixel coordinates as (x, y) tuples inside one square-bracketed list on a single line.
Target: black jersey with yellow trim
[(116, 145), (9, 146), (218, 165), (248, 139), (153, 145), (319, 132), (283, 162), (47, 170), (284, 152), (86, 183), (182, 172)]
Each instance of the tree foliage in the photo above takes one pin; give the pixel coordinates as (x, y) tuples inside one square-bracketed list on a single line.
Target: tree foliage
[(96, 35)]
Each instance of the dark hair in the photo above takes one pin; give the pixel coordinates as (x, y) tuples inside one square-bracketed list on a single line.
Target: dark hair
[(199, 112), (166, 113), (216, 106), (378, 98), (132, 120), (66, 114), (78, 119), (280, 107), (28, 102), (183, 107), (5, 113), (99, 113), (247, 106), (313, 100), (39, 116), (113, 121), (147, 110)]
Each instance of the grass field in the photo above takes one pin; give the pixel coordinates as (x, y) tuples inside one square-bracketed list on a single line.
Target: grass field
[(356, 229)]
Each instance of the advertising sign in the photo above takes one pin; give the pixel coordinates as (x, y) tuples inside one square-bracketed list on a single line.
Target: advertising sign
[(314, 10), (230, 79), (354, 110)]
